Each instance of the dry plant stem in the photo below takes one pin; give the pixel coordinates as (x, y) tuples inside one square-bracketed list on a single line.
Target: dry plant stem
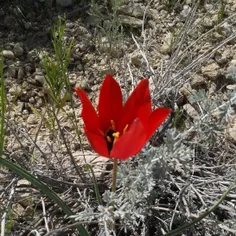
[(77, 168), (114, 175)]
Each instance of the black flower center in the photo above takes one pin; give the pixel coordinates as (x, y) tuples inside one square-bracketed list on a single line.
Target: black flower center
[(110, 139)]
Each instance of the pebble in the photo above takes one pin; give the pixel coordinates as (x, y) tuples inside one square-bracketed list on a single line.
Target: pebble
[(27, 25), (211, 71), (186, 10), (32, 100), (39, 79), (20, 73), (18, 50), (11, 71), (8, 54), (167, 44), (32, 119)]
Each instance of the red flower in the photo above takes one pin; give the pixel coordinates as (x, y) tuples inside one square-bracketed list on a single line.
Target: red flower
[(117, 130)]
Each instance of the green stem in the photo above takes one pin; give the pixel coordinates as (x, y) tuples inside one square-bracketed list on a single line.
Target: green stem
[(208, 211), (114, 175)]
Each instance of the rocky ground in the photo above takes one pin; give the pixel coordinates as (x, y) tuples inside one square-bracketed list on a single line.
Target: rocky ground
[(183, 48)]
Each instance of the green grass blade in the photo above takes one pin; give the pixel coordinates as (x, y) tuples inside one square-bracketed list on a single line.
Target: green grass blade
[(211, 209), (41, 186), (95, 185)]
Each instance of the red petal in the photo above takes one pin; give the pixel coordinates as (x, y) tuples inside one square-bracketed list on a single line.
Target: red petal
[(88, 114), (110, 103), (138, 104), (155, 120), (97, 142), (131, 142)]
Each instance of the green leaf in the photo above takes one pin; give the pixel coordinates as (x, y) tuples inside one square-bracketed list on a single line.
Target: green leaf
[(208, 211), (43, 188)]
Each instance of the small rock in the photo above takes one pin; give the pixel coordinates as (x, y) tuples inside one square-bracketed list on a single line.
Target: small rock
[(209, 7), (18, 108), (18, 50), (8, 54), (34, 56), (70, 25), (39, 102), (15, 90), (41, 94), (210, 21), (25, 112), (20, 73), (231, 70), (135, 10), (18, 210), (24, 97), (82, 46), (191, 111), (27, 25), (14, 147), (154, 14), (223, 58), (95, 87), (83, 84), (11, 71), (233, 62), (198, 82), (32, 100), (211, 71), (136, 59), (186, 10), (23, 182), (32, 119), (226, 29), (231, 87), (104, 70), (231, 73), (216, 37), (186, 90), (39, 79), (28, 69), (88, 57), (212, 89), (231, 133), (167, 44), (131, 21)]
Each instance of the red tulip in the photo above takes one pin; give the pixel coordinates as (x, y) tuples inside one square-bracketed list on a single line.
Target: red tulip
[(120, 131)]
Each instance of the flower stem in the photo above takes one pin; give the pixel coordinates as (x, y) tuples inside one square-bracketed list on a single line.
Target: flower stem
[(114, 175)]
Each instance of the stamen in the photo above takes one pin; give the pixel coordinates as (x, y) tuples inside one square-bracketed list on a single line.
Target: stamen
[(125, 129), (113, 127), (116, 135), (109, 139)]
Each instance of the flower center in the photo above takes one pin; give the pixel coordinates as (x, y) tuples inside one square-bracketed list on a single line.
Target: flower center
[(112, 135)]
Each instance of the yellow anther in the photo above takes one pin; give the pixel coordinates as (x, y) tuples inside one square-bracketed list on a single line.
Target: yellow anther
[(125, 129), (113, 127), (109, 139), (116, 135)]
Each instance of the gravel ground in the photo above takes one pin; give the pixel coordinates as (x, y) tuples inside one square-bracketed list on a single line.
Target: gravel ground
[(183, 48)]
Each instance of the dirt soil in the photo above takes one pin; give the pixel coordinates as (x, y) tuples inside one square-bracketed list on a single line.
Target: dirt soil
[(181, 47)]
